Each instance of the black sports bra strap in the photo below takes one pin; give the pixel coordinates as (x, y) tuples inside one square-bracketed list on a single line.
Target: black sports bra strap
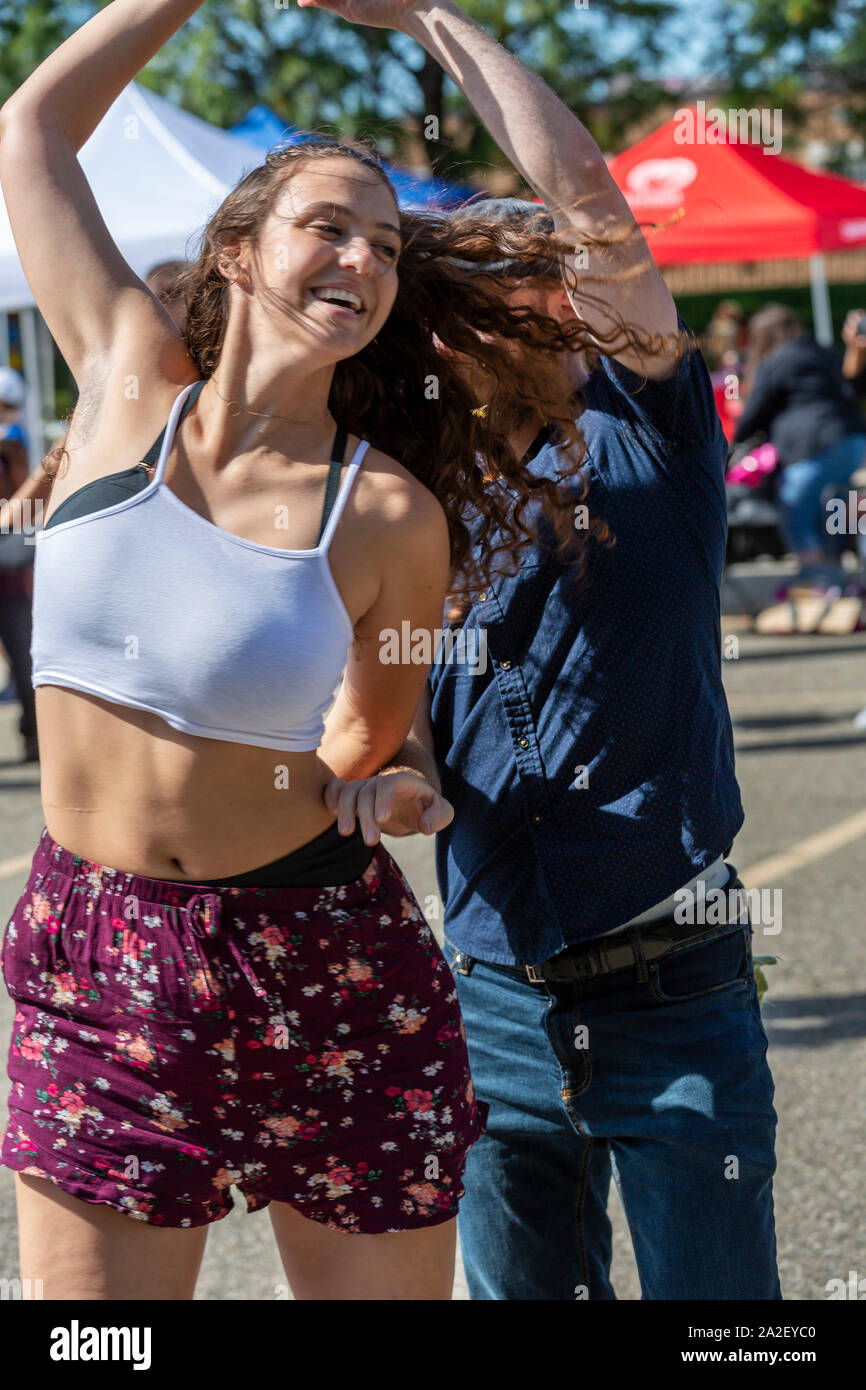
[(341, 439), (152, 454)]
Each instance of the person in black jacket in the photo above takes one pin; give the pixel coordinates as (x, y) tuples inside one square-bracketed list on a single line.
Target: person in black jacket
[(799, 397), (15, 584)]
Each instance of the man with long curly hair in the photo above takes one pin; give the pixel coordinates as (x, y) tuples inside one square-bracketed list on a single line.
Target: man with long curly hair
[(596, 931)]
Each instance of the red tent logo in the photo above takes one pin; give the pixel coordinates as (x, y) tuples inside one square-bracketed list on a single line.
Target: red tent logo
[(659, 183)]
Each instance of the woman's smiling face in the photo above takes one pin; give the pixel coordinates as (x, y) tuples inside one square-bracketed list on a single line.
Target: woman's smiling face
[(327, 254)]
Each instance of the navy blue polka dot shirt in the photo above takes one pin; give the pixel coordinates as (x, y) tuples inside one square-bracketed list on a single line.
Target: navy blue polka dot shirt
[(581, 731)]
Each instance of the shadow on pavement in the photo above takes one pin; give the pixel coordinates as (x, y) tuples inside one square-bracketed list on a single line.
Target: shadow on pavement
[(801, 745), (814, 1020), (789, 721), (816, 648)]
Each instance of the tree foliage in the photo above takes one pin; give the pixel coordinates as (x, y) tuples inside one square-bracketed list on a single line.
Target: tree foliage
[(781, 50), (28, 33), (605, 58), (318, 72)]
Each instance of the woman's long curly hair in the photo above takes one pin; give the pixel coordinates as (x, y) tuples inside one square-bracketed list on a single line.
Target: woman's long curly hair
[(408, 391)]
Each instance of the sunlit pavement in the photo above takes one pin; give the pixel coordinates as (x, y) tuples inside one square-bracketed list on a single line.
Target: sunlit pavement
[(802, 767)]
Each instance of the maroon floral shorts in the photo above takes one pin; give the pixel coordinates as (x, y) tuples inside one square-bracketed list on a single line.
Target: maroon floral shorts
[(304, 1044)]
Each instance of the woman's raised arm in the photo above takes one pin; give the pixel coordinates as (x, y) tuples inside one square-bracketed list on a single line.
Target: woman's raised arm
[(85, 290)]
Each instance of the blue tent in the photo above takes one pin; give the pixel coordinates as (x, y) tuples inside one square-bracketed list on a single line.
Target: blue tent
[(417, 191), (261, 126)]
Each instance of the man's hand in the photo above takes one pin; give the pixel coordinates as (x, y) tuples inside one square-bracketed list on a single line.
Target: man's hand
[(393, 803), (375, 14)]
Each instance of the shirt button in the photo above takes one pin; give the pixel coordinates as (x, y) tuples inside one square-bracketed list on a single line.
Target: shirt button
[(506, 665), (524, 742), (536, 818), (482, 597)]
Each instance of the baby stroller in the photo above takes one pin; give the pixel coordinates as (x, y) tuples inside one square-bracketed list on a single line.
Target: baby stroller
[(754, 515)]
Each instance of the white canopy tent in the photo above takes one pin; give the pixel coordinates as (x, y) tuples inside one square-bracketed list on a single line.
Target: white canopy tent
[(157, 174)]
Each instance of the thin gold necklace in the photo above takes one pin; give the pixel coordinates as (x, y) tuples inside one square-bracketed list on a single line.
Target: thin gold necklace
[(238, 407), (235, 408)]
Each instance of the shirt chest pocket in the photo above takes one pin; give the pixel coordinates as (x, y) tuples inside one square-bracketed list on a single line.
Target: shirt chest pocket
[(510, 641)]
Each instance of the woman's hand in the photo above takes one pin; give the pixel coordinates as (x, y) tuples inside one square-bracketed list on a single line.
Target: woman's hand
[(375, 14), (393, 803), (97, 309)]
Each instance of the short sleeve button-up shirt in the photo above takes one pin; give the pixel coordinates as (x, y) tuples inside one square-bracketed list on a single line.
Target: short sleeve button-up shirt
[(584, 737)]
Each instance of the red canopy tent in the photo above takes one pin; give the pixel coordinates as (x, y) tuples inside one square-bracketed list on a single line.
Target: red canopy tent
[(711, 197)]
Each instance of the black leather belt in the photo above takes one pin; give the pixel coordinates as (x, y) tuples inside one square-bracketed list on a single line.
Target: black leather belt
[(606, 955)]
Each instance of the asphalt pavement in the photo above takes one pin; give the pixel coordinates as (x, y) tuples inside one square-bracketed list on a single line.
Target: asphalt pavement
[(802, 768)]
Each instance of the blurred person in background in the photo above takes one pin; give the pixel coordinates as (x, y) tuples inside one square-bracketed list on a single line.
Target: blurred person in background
[(163, 281), (13, 438), (854, 361), (15, 584), (724, 344), (726, 331), (796, 394), (854, 368)]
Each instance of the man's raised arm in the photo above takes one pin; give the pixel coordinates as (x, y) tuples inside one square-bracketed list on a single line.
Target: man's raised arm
[(557, 157)]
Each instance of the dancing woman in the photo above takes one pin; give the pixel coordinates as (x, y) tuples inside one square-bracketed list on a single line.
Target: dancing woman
[(213, 986)]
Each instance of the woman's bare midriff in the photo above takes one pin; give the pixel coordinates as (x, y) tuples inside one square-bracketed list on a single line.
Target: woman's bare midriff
[(121, 787)]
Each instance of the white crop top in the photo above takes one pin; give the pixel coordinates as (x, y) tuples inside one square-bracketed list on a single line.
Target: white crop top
[(148, 604)]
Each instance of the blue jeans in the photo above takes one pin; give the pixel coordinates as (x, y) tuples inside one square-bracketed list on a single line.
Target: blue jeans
[(657, 1072), (802, 483)]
